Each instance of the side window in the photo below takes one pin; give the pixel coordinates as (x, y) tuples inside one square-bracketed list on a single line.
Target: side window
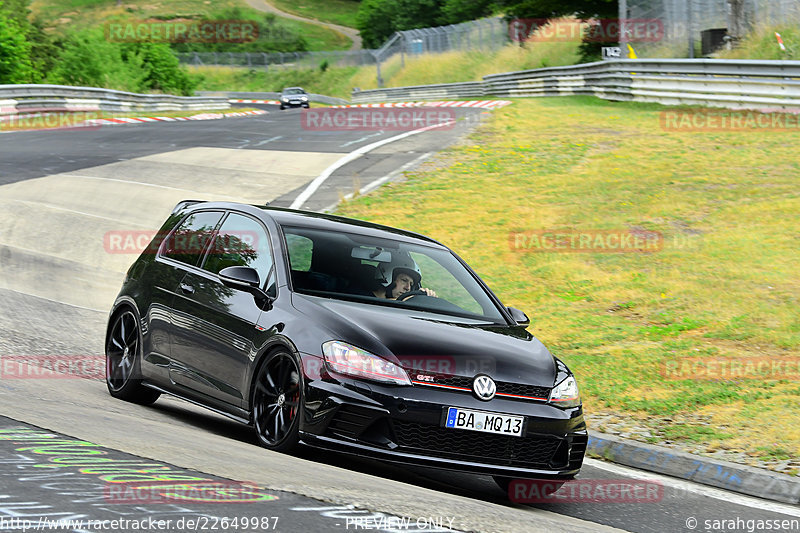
[(241, 241), (187, 242), (300, 249)]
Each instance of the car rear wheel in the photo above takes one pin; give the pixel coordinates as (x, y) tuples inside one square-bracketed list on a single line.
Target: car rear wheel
[(123, 352), (277, 399)]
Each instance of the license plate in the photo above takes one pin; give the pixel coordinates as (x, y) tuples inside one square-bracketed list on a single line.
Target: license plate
[(485, 422)]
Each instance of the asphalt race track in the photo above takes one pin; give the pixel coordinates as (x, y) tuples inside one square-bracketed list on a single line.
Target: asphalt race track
[(62, 193)]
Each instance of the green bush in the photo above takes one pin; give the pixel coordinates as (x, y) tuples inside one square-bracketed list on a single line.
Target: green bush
[(87, 58), (163, 72), (15, 52)]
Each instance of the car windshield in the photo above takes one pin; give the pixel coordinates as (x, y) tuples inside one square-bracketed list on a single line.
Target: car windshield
[(372, 270), (294, 90)]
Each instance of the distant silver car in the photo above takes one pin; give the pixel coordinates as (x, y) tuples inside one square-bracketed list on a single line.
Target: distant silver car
[(294, 97)]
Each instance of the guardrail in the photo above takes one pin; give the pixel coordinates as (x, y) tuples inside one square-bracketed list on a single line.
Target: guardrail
[(441, 91), (320, 98), (738, 84), (53, 98)]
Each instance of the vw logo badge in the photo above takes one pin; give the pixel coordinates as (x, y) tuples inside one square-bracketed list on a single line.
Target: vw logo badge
[(484, 387)]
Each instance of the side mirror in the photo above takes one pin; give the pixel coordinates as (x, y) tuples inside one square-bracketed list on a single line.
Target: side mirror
[(519, 317), (244, 279), (240, 277)]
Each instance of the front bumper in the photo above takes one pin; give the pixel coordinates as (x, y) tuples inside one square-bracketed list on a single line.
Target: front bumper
[(291, 103), (404, 424)]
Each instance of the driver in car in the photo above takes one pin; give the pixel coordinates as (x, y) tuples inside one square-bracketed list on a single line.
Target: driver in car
[(399, 277)]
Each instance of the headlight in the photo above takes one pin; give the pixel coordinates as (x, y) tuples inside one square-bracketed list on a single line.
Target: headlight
[(284, 98), (304, 98), (349, 360), (565, 394)]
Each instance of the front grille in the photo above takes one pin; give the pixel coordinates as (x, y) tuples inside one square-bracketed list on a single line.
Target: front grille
[(503, 387), (521, 389), (453, 381), (467, 445), (578, 450), (350, 421)]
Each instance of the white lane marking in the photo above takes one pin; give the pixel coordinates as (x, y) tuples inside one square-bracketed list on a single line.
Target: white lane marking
[(131, 182), (680, 485), (361, 139), (103, 311), (59, 208), (352, 156), (268, 140), (380, 181)]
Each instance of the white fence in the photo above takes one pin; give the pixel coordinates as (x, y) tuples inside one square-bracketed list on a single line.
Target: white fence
[(741, 84)]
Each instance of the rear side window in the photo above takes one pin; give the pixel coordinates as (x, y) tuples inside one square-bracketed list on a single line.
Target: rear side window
[(241, 241), (187, 242)]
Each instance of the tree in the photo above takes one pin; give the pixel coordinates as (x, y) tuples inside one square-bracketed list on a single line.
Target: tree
[(15, 52), (162, 70), (375, 21), (583, 9), (455, 11)]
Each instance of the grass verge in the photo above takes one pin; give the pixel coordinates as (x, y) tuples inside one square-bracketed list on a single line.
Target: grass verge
[(723, 286)]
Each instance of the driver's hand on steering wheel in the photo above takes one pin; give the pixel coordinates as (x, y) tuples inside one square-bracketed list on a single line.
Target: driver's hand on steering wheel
[(428, 291)]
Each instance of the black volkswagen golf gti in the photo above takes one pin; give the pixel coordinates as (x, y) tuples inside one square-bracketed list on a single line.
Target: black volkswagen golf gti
[(343, 335)]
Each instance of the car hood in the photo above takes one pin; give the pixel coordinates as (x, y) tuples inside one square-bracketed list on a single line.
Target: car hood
[(434, 343)]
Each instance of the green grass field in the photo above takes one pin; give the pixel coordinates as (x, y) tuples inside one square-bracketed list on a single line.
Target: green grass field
[(342, 12), (87, 13), (724, 285)]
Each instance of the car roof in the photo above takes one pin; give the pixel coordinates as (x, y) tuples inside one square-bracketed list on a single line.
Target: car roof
[(287, 88), (313, 220)]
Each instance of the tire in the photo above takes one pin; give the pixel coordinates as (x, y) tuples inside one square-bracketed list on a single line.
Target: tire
[(547, 487), (277, 402), (123, 359), (282, 108)]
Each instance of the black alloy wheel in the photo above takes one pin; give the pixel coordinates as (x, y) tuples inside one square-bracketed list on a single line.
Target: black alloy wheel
[(277, 399), (123, 351)]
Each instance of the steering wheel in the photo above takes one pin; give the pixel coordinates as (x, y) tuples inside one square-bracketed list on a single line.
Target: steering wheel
[(409, 294)]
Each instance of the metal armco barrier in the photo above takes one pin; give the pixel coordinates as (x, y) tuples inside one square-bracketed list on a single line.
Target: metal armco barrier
[(319, 98), (736, 84), (25, 98), (441, 91)]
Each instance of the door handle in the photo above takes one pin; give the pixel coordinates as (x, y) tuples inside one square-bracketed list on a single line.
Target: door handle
[(188, 289)]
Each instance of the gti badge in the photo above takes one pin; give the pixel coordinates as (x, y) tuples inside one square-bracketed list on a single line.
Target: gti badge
[(484, 387)]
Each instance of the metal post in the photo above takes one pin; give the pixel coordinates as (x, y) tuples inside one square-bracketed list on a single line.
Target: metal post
[(378, 70), (689, 28), (623, 37), (402, 49)]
